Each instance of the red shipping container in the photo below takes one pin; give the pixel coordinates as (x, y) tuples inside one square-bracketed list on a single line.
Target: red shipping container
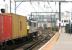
[(7, 27), (1, 27)]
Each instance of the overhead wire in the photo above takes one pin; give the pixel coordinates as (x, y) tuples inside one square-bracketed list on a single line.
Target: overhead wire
[(50, 6), (44, 4), (40, 6), (32, 5), (19, 4), (55, 6)]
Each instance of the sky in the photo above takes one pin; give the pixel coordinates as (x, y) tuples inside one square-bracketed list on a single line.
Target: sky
[(25, 8)]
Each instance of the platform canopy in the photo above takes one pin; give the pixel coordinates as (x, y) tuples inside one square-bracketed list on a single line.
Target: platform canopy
[(39, 0)]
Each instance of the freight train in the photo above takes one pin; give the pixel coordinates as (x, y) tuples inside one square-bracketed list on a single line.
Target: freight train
[(12, 26), (13, 29)]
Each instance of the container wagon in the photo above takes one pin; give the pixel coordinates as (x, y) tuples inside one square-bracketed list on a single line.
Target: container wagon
[(13, 27)]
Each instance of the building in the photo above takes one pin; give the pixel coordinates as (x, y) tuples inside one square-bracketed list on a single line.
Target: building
[(44, 19)]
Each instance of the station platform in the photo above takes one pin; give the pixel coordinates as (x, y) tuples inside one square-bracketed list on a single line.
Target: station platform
[(63, 43)]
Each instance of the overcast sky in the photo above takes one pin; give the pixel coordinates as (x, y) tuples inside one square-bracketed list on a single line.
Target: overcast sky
[(26, 7)]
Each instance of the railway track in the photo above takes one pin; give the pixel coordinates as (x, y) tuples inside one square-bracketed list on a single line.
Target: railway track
[(36, 42), (32, 42)]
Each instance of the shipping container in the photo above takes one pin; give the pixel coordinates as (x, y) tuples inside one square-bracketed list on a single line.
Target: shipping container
[(7, 27), (1, 27), (12, 26), (15, 26), (22, 26)]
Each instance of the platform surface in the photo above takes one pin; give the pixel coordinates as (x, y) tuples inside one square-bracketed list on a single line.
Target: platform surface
[(64, 42)]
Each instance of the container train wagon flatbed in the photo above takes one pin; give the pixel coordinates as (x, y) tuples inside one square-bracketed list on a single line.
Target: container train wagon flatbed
[(13, 27)]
